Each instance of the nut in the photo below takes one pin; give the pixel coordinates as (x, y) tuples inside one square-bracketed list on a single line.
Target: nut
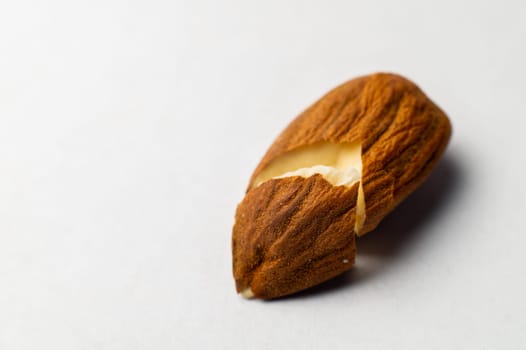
[(335, 172)]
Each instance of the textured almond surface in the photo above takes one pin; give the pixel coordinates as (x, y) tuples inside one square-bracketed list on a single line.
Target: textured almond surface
[(293, 233), (283, 244)]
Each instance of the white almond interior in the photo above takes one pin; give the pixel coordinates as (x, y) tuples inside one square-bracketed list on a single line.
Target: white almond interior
[(327, 157), (247, 293)]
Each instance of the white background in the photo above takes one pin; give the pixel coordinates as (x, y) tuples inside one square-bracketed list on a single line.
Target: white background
[(128, 132)]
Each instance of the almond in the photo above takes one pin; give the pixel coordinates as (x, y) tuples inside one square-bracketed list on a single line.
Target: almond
[(335, 172)]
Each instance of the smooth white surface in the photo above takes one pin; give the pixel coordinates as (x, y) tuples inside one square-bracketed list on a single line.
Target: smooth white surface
[(128, 132)]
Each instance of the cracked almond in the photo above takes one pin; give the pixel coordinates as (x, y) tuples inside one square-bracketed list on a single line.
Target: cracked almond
[(335, 172)]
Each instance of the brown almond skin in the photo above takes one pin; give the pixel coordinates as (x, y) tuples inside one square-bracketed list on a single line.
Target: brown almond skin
[(293, 233), (277, 245)]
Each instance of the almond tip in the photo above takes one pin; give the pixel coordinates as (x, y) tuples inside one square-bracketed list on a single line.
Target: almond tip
[(247, 293)]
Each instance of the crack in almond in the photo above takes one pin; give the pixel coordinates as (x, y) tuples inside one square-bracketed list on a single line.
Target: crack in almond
[(339, 164)]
